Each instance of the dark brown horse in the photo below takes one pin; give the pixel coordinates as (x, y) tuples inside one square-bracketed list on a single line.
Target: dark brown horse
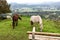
[(15, 20)]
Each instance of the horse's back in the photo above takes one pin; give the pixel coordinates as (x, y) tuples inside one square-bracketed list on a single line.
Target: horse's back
[(15, 17), (35, 18)]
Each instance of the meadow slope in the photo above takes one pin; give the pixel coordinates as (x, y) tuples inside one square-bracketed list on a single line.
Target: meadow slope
[(20, 31)]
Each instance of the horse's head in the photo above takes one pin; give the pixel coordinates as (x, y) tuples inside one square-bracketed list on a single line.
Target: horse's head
[(20, 18)]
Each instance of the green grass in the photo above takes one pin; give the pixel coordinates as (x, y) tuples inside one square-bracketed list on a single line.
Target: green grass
[(20, 31)]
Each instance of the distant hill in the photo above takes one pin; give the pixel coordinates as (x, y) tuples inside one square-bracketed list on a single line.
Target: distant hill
[(47, 4)]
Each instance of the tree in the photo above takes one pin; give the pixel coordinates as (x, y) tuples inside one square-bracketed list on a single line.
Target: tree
[(4, 7)]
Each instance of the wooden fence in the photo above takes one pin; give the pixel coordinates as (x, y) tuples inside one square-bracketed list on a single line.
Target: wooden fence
[(42, 35)]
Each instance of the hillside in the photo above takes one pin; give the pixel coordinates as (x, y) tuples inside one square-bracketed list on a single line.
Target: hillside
[(20, 31)]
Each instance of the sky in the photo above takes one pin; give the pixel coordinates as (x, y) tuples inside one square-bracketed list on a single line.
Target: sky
[(31, 1)]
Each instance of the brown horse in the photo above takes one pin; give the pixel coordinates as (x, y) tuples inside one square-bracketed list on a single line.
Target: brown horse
[(15, 20)]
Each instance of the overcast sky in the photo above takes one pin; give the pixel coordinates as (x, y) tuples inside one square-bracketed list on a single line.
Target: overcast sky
[(31, 1)]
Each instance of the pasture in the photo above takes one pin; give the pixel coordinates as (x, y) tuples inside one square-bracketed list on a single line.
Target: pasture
[(20, 31)]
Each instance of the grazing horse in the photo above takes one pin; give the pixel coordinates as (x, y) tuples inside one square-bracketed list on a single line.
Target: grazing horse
[(15, 20), (36, 19)]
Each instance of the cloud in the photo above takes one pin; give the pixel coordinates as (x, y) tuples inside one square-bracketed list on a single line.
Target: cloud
[(31, 1)]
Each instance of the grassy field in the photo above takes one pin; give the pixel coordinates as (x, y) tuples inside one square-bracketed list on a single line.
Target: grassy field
[(20, 31)]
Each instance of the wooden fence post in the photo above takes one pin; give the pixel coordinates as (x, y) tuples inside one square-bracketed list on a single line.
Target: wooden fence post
[(33, 33)]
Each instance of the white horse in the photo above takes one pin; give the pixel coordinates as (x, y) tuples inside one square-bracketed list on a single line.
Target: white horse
[(36, 19)]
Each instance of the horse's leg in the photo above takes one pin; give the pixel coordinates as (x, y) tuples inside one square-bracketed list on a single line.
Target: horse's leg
[(41, 27), (31, 23), (17, 23), (13, 24)]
